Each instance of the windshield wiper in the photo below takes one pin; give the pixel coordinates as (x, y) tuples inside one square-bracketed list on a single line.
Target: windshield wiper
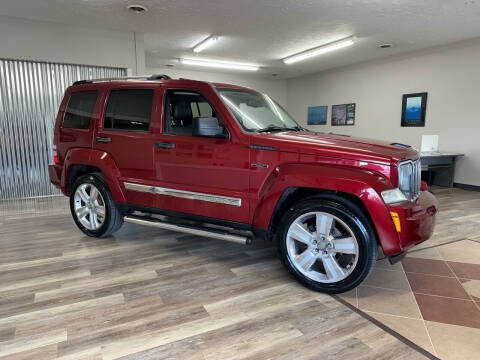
[(279, 128), (272, 128)]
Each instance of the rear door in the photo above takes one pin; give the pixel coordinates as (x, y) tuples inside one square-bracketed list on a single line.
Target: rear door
[(126, 132)]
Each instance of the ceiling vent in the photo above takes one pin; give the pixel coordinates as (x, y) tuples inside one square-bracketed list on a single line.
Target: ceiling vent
[(137, 9)]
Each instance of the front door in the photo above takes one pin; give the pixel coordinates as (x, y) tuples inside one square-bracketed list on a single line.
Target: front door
[(202, 176)]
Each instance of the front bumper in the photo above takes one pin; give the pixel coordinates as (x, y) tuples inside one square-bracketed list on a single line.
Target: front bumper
[(417, 219)]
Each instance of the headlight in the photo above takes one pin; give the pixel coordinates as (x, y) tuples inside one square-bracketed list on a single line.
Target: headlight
[(405, 175), (393, 196), (409, 179)]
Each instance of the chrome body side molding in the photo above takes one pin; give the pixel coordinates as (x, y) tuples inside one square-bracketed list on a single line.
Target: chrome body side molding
[(184, 194)]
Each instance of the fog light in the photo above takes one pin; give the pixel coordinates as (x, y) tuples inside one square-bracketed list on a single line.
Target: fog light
[(396, 221)]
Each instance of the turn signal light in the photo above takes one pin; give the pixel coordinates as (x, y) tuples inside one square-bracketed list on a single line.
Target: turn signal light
[(396, 221), (423, 186)]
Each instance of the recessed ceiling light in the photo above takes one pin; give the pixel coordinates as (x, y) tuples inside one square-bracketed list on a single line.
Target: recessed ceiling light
[(220, 64), (319, 50), (385, 46), (138, 9), (209, 41)]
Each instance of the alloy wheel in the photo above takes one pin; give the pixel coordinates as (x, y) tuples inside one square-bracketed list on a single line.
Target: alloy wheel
[(89, 206), (322, 247)]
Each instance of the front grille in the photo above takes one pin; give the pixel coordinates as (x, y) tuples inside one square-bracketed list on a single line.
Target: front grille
[(416, 179)]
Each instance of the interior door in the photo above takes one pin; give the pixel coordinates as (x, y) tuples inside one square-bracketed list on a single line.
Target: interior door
[(126, 132), (202, 176)]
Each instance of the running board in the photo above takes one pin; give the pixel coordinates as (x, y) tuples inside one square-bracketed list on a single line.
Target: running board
[(214, 234)]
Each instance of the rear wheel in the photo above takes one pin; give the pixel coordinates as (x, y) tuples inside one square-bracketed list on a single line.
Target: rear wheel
[(93, 208), (327, 244)]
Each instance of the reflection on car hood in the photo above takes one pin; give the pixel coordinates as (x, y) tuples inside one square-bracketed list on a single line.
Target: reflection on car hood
[(339, 146)]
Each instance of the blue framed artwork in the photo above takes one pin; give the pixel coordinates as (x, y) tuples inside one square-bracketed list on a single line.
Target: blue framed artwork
[(414, 107), (317, 115)]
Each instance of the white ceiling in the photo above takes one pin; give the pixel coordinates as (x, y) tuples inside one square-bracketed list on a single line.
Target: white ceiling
[(265, 31)]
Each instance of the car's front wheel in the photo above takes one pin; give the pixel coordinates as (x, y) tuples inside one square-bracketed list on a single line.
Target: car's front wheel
[(93, 207), (327, 244)]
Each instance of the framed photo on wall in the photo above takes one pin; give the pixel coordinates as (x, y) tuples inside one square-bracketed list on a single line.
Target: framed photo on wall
[(343, 114), (414, 107), (317, 115)]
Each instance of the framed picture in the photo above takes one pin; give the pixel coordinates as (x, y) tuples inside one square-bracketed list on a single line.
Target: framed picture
[(317, 115), (414, 107), (343, 114)]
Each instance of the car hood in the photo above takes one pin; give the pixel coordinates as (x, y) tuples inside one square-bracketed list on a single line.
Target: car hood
[(338, 146)]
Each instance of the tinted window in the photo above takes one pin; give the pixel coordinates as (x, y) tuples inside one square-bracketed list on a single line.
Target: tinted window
[(80, 109), (129, 110), (180, 110)]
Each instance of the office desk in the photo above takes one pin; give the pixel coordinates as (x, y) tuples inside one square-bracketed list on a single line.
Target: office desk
[(440, 167)]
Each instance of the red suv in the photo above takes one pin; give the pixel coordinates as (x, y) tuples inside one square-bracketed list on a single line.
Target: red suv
[(228, 162)]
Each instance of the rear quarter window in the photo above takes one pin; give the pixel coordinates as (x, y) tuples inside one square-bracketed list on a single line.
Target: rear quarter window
[(80, 110)]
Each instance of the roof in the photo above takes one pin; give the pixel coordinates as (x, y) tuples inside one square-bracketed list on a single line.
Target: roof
[(157, 78)]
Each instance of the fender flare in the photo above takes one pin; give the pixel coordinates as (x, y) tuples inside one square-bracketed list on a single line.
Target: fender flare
[(364, 184), (98, 159)]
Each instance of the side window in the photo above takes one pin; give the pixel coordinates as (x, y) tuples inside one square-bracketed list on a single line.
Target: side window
[(129, 109), (80, 109), (181, 107)]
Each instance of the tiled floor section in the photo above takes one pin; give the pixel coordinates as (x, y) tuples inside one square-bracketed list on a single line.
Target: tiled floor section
[(433, 297)]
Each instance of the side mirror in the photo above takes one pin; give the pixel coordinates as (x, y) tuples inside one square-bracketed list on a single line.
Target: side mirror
[(208, 127)]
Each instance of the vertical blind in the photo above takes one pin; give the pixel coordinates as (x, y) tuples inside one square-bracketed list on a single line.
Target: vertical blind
[(30, 94)]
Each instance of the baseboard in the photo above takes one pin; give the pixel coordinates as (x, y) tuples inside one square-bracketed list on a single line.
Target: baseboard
[(467, 186)]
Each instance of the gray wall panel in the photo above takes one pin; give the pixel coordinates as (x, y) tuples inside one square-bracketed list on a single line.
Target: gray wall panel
[(30, 94)]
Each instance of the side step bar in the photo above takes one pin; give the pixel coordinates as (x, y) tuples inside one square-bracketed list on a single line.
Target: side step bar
[(214, 234)]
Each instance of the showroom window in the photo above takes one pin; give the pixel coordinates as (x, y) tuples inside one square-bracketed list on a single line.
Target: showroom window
[(181, 107), (129, 110), (80, 109)]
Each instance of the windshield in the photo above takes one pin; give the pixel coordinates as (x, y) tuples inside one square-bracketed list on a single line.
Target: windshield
[(257, 112)]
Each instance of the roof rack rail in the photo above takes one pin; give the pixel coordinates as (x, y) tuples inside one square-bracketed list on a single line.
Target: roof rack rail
[(143, 77)]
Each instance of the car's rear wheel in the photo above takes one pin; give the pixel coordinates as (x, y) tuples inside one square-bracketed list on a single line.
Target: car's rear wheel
[(328, 244), (93, 207)]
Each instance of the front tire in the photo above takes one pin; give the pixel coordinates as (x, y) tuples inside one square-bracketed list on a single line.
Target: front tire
[(327, 243), (93, 208)]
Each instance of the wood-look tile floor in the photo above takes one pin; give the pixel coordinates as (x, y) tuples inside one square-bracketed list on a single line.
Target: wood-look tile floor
[(151, 294)]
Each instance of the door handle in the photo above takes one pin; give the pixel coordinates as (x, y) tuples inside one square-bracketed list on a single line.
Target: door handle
[(103, 139), (157, 144)]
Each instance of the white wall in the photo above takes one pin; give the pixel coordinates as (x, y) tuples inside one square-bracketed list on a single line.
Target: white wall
[(450, 75), (276, 88), (46, 41)]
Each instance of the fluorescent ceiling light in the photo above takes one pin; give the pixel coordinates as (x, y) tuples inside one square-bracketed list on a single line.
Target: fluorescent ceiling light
[(220, 64), (205, 44), (319, 50)]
